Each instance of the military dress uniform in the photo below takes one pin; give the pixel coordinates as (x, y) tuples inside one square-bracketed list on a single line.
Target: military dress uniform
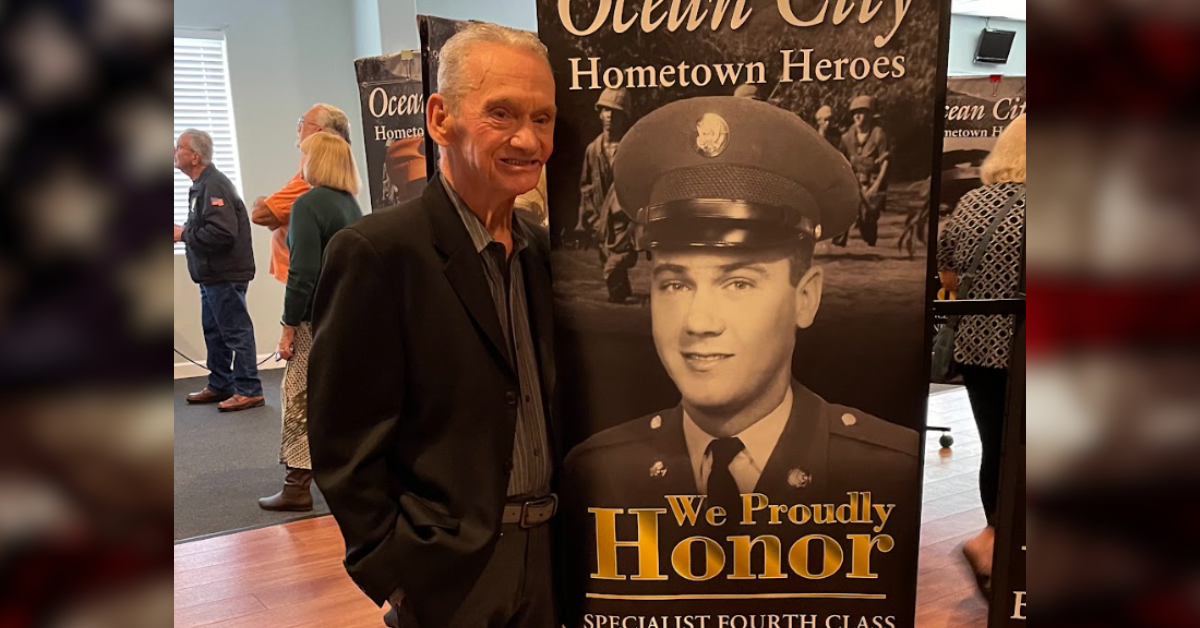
[(734, 173)]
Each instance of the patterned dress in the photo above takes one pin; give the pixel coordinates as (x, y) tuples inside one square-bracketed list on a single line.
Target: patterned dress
[(985, 340), (293, 450)]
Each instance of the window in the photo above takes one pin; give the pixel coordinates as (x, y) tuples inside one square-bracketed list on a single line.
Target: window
[(203, 101)]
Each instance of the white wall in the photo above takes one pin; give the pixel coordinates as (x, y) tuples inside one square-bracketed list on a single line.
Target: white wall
[(284, 55), (385, 27), (368, 39), (398, 25), (514, 13)]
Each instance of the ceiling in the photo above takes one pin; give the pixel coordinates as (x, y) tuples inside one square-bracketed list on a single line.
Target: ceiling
[(1010, 9)]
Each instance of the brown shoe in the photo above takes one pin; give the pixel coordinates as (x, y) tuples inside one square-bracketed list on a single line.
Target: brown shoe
[(296, 495), (240, 402), (207, 396)]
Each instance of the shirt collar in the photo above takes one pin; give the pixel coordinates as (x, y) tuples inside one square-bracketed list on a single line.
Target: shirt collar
[(203, 175), (480, 236), (759, 439)]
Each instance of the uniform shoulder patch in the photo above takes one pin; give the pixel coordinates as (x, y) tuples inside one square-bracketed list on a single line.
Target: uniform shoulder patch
[(858, 425)]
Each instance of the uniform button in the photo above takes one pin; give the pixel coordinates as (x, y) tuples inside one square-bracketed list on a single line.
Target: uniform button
[(511, 397)]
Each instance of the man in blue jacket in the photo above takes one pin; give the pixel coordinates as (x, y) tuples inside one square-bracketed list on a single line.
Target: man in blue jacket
[(221, 260)]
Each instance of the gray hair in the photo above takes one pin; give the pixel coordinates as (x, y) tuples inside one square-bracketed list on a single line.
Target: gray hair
[(201, 143), (333, 120), (452, 73)]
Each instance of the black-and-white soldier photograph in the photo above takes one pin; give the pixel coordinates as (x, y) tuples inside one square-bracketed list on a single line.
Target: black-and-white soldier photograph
[(739, 212), (731, 282)]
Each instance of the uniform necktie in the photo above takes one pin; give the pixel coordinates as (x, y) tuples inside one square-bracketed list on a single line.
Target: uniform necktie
[(722, 489)]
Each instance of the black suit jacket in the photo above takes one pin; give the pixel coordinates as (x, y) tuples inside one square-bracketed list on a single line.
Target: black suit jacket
[(412, 402)]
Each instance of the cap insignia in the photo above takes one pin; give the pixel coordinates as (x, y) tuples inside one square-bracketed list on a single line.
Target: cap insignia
[(712, 135)]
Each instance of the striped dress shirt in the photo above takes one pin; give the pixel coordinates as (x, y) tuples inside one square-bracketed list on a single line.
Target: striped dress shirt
[(531, 448)]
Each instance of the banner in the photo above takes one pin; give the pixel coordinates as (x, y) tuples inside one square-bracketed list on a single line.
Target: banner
[(435, 32), (393, 114), (739, 196), (1008, 609), (978, 109)]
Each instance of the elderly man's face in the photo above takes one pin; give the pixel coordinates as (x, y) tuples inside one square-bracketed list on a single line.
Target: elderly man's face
[(185, 157), (724, 324), (307, 125), (503, 128)]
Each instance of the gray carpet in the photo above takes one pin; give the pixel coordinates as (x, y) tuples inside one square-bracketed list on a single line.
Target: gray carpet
[(224, 461)]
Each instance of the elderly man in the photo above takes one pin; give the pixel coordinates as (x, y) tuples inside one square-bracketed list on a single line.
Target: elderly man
[(432, 361), (220, 259), (274, 211)]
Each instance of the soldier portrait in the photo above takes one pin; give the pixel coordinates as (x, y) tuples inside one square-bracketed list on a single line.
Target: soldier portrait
[(730, 196), (744, 384)]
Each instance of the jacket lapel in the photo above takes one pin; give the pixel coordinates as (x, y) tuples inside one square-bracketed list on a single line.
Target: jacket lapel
[(463, 267)]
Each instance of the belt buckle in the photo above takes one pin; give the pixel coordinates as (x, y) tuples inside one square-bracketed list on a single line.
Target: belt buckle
[(550, 501)]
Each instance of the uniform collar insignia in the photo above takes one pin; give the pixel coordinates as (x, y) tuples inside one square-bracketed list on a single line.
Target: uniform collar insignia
[(799, 478), (658, 469)]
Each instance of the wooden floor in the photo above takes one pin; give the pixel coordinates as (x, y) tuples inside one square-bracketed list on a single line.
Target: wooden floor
[(946, 592), (291, 576)]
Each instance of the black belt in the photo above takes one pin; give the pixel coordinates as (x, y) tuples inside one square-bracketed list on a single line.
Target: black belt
[(531, 513)]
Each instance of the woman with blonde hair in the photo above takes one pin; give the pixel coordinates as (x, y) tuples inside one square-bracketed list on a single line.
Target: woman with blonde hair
[(984, 243), (328, 166)]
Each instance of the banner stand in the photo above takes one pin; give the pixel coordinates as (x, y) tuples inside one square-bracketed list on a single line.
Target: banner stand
[(1008, 571), (1008, 603)]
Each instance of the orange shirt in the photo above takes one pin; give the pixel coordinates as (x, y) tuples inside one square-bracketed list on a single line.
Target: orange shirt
[(280, 204)]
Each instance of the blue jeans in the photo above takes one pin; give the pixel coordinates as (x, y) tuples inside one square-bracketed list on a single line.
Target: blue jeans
[(229, 336)]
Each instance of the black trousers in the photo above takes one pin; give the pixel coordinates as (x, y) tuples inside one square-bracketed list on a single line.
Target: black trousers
[(516, 589), (988, 390)]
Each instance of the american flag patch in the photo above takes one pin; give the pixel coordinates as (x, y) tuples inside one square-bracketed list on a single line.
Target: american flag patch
[(217, 201)]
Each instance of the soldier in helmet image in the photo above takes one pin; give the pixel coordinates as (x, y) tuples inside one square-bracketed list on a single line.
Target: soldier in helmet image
[(867, 145), (600, 217), (730, 197), (827, 128)]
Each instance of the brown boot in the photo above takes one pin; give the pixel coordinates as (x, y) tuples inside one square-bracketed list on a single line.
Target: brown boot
[(207, 395), (238, 403), (295, 496)]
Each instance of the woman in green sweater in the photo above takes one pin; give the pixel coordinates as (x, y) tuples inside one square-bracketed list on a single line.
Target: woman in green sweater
[(327, 166)]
